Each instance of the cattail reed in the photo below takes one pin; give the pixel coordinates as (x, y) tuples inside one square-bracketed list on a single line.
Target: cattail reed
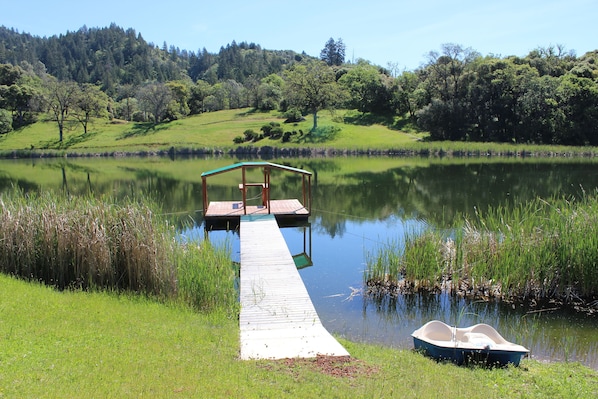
[(537, 250), (102, 244)]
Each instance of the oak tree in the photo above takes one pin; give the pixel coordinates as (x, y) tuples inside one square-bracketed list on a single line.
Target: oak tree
[(311, 87)]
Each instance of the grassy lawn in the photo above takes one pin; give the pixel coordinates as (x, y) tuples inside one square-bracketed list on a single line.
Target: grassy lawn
[(209, 130), (75, 344), (217, 130)]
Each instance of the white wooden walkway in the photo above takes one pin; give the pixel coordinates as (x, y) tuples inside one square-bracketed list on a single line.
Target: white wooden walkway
[(278, 319)]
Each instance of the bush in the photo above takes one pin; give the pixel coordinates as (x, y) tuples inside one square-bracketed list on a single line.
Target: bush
[(293, 115), (267, 129), (250, 135), (276, 133)]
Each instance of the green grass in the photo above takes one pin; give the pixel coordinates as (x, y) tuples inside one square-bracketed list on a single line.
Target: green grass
[(216, 131), (101, 345)]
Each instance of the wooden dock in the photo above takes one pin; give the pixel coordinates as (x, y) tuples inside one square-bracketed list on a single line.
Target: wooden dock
[(235, 209), (278, 319), (226, 214)]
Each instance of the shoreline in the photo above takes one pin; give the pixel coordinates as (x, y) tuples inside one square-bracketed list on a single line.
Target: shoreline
[(308, 152)]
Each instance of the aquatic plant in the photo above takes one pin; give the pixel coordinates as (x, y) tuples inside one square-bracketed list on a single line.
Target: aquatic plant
[(206, 276), (104, 244), (542, 249)]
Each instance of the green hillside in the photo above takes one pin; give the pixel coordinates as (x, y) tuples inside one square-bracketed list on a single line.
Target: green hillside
[(212, 130)]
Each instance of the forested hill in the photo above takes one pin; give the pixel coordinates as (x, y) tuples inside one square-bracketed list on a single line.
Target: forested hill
[(114, 56), (549, 96)]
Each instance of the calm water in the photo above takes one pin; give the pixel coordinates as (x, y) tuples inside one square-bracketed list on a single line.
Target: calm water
[(360, 204)]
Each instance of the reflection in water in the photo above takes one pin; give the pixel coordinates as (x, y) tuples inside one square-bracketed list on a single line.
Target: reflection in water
[(359, 205)]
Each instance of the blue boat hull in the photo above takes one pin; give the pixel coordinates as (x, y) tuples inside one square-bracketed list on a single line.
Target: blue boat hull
[(460, 356)]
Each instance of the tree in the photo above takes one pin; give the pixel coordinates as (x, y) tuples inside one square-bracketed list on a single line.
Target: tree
[(366, 87), (492, 98), (578, 97), (552, 60), (127, 102), (311, 87), (16, 93), (540, 116), (270, 92), (180, 93), (235, 93), (198, 93), (252, 84), (59, 98), (126, 108), (447, 70), (5, 121), (404, 93), (333, 52), (447, 76), (154, 99), (91, 102), (9, 74)]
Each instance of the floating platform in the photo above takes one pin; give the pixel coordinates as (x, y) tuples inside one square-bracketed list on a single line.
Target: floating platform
[(278, 319), (226, 214), (230, 212)]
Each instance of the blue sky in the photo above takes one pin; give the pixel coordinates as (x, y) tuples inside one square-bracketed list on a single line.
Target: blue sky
[(381, 31)]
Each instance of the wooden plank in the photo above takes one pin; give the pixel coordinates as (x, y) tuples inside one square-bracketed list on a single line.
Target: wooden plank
[(287, 207), (278, 319)]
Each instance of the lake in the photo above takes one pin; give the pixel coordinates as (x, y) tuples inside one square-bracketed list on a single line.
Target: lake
[(359, 204)]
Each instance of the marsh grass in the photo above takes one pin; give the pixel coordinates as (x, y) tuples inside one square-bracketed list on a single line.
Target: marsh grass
[(538, 250), (91, 243), (206, 277)]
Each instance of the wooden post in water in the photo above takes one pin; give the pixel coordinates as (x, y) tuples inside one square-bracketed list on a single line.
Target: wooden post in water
[(204, 189), (244, 190)]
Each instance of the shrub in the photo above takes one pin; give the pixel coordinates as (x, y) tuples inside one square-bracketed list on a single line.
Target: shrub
[(250, 135), (293, 115), (267, 129), (276, 133)]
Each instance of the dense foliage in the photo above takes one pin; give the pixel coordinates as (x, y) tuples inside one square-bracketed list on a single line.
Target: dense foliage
[(549, 96)]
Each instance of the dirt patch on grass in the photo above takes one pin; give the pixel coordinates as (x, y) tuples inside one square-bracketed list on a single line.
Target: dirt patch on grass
[(335, 366)]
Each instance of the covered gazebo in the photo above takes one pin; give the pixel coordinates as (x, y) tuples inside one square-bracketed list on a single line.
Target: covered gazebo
[(292, 208)]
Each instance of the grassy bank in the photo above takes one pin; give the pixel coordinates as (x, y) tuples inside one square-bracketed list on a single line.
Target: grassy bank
[(88, 243), (216, 131), (540, 250), (76, 344), (143, 314)]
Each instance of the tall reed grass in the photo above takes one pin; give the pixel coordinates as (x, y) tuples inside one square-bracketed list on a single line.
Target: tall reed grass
[(101, 244), (537, 250), (206, 277)]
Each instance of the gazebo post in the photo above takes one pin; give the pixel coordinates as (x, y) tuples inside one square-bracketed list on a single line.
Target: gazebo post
[(309, 188), (244, 191), (204, 187), (266, 188)]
